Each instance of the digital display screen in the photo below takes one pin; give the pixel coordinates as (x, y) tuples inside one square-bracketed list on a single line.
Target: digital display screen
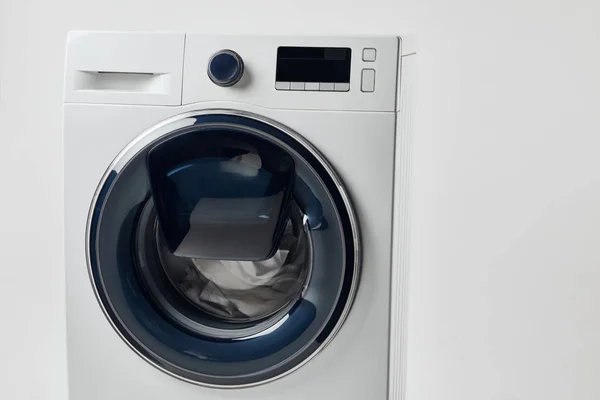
[(313, 64)]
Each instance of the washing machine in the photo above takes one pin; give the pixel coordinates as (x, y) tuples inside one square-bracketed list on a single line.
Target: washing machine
[(236, 215)]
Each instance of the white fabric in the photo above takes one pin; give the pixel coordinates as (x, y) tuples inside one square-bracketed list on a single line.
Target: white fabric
[(241, 275)]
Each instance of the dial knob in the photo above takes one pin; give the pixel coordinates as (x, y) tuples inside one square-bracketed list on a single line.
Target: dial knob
[(225, 68)]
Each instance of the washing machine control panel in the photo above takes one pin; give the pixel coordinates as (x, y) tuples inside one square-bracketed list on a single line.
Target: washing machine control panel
[(343, 73), (322, 69), (288, 72)]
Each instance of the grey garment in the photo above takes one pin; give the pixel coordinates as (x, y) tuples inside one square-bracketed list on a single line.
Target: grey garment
[(244, 291)]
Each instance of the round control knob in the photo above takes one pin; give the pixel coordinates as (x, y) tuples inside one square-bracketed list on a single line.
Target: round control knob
[(225, 68)]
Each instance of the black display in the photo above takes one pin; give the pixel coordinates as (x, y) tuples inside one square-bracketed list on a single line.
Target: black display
[(313, 64)]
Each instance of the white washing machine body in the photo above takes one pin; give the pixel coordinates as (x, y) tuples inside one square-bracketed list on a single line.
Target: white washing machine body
[(337, 109)]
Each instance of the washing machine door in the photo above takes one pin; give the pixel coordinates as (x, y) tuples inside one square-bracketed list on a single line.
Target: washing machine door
[(223, 248)]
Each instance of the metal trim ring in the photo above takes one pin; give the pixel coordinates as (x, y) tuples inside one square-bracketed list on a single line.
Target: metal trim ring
[(158, 132)]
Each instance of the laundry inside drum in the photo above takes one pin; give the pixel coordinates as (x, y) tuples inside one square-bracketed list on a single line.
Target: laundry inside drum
[(244, 291)]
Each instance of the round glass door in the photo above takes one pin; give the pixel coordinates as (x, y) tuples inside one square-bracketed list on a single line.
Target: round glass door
[(223, 248)]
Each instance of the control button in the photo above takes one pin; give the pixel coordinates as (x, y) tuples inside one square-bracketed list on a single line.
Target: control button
[(326, 87), (282, 85), (369, 54), (342, 87), (311, 86), (225, 68), (297, 86), (368, 80)]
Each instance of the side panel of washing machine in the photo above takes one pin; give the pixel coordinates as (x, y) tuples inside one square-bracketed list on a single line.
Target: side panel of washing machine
[(400, 273)]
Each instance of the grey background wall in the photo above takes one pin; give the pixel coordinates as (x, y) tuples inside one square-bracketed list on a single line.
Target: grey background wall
[(505, 278)]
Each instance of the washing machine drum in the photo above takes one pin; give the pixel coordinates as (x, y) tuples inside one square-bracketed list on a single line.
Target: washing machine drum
[(223, 248)]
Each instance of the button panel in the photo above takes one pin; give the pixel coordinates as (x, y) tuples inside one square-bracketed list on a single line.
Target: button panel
[(313, 86), (369, 54), (367, 79), (367, 83)]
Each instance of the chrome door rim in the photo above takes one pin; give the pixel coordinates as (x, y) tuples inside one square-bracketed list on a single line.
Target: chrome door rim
[(164, 128)]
